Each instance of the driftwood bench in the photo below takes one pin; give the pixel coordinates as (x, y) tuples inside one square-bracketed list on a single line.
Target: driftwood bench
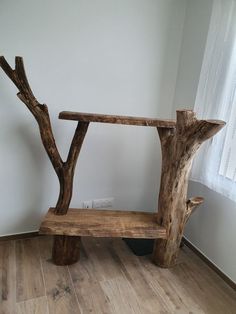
[(180, 140)]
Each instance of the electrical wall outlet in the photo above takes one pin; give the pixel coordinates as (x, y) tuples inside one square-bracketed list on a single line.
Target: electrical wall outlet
[(87, 204), (103, 203)]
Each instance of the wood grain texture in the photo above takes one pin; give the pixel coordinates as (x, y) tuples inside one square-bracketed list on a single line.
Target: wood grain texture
[(196, 275), (178, 149), (28, 267), (179, 141), (7, 277), (119, 261), (64, 170), (33, 306), (122, 296), (114, 119), (109, 277), (85, 277), (66, 250), (100, 258), (102, 223), (59, 289)]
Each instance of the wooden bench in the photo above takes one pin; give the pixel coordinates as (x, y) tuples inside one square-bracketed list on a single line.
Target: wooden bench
[(180, 140)]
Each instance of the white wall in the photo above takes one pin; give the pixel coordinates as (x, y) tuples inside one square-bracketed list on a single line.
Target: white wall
[(212, 227), (106, 56), (192, 50)]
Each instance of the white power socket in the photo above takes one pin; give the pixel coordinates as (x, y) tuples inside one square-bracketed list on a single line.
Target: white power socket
[(103, 203), (87, 204)]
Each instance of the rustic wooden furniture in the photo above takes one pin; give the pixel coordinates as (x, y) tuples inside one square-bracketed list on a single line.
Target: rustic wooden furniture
[(180, 140)]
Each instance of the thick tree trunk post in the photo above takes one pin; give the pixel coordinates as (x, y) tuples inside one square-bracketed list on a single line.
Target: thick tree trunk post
[(178, 148), (66, 249)]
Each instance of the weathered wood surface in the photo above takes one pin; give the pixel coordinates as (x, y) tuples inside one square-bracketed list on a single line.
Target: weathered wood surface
[(179, 140), (64, 170), (103, 223), (178, 149), (114, 119), (66, 249)]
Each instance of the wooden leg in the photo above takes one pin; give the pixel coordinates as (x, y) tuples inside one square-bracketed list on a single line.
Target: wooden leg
[(66, 250), (174, 209), (165, 252)]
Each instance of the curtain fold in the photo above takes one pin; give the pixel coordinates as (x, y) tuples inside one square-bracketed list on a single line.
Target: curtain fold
[(215, 164)]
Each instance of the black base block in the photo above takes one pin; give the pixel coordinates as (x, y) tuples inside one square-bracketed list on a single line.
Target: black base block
[(140, 247)]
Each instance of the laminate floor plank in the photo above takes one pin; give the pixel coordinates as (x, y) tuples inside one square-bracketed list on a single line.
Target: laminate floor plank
[(122, 296), (59, 289), (29, 279), (7, 277), (133, 271), (177, 299), (108, 279), (105, 267), (207, 288), (33, 306), (91, 297)]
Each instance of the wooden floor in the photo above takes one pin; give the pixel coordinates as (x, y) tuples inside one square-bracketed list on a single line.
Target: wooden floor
[(108, 279)]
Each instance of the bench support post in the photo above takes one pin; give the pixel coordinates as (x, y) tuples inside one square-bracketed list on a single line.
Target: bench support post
[(179, 146)]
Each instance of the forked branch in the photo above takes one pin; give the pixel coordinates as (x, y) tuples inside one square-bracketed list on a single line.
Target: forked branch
[(64, 170)]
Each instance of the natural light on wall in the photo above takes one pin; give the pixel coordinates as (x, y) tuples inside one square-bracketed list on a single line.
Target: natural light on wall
[(215, 165)]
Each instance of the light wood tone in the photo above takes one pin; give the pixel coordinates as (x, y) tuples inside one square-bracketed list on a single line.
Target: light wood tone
[(28, 267), (98, 253), (111, 259), (109, 277), (178, 300), (178, 149), (59, 289), (102, 223), (134, 273), (121, 295), (85, 278), (114, 119), (33, 306), (7, 278), (179, 141), (196, 275)]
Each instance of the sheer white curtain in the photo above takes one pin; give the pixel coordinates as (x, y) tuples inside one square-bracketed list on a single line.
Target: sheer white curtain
[(215, 164)]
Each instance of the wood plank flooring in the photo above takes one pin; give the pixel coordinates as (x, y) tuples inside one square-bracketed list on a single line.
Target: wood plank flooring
[(108, 279)]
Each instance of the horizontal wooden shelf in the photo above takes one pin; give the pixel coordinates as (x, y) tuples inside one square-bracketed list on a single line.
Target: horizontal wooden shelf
[(92, 117), (103, 223)]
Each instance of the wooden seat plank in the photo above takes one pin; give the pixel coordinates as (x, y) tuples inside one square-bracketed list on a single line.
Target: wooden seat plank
[(114, 119), (103, 223)]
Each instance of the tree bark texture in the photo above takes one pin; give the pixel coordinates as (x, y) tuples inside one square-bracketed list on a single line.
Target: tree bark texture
[(64, 170), (66, 250), (179, 142), (179, 146)]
